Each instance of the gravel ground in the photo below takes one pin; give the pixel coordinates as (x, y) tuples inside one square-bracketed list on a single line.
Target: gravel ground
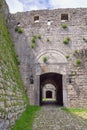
[(53, 118)]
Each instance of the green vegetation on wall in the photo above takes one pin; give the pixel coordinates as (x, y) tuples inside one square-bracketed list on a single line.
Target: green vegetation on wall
[(78, 61), (67, 56), (85, 39), (19, 30), (48, 40), (44, 59), (64, 25), (39, 36), (9, 61), (32, 45), (66, 40), (33, 39), (0, 4)]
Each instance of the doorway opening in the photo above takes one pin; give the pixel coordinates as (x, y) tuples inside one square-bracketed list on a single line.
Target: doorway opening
[(48, 94), (51, 89)]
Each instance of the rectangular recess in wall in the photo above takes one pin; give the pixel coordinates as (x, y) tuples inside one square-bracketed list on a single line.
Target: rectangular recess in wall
[(64, 17), (36, 19), (49, 22)]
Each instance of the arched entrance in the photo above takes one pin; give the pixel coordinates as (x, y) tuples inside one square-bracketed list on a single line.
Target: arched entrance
[(52, 73), (51, 90), (48, 92)]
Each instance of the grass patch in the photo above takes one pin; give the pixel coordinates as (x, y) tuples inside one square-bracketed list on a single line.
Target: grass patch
[(74, 109), (26, 120), (77, 111), (48, 99), (9, 61)]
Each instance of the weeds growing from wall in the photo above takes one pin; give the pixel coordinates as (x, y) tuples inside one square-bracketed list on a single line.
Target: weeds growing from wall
[(32, 45), (66, 40), (33, 39), (44, 59), (78, 61), (39, 36), (19, 30), (64, 25)]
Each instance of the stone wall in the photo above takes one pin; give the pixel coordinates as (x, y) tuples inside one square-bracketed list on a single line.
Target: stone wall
[(12, 102), (50, 43), (12, 93), (77, 91)]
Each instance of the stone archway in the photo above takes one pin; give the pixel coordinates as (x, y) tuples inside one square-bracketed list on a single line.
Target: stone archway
[(48, 92), (51, 90), (53, 72)]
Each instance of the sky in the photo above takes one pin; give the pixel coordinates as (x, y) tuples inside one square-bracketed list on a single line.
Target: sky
[(27, 5)]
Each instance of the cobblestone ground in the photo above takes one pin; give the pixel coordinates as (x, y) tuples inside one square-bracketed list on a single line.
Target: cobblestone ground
[(53, 118)]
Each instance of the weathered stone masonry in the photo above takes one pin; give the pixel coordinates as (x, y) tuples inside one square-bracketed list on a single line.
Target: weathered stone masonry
[(61, 58), (12, 97)]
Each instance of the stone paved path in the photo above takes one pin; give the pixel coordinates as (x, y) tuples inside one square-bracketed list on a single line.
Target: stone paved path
[(53, 118)]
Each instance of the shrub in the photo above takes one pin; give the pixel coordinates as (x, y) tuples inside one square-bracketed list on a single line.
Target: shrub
[(67, 56), (85, 39), (73, 73), (44, 59), (33, 39), (68, 38), (39, 36), (16, 29), (64, 25), (66, 41), (48, 40), (78, 61), (19, 30), (75, 52), (32, 45)]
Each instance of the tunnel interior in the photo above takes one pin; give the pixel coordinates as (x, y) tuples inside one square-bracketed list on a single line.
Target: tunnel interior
[(51, 89), (48, 94)]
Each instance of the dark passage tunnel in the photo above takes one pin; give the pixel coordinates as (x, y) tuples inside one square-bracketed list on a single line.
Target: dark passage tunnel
[(56, 80), (48, 94)]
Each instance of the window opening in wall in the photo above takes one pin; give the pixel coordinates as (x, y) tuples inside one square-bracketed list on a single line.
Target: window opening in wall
[(49, 22), (64, 17), (36, 18), (18, 24)]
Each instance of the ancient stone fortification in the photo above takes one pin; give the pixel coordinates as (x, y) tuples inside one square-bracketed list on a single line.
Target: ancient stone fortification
[(12, 96), (52, 50)]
